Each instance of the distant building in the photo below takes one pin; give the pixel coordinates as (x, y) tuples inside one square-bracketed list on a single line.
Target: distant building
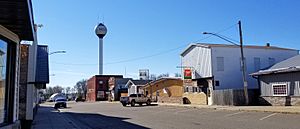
[(98, 87), (144, 74), (117, 88), (135, 86), (280, 84), (218, 66), (165, 90)]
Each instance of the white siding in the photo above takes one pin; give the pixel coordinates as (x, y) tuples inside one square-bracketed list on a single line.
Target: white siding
[(199, 58), (132, 89), (231, 77)]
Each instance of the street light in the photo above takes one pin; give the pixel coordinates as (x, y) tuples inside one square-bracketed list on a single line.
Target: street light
[(55, 52), (242, 56)]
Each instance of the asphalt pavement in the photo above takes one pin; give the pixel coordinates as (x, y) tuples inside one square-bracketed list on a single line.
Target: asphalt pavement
[(104, 115)]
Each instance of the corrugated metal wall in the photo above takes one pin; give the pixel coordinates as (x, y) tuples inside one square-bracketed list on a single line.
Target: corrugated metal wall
[(292, 80), (200, 59)]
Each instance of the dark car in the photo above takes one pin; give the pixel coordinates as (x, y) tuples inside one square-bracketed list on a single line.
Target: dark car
[(79, 99), (60, 102)]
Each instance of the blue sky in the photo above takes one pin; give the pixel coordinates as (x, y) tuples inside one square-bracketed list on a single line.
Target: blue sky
[(139, 28)]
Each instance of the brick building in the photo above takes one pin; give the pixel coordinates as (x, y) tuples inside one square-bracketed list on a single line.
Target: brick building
[(98, 87)]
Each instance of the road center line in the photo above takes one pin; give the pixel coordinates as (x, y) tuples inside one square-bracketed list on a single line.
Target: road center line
[(267, 116), (234, 114)]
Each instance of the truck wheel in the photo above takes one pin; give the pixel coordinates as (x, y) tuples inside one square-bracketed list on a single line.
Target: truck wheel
[(148, 102), (132, 103), (124, 104)]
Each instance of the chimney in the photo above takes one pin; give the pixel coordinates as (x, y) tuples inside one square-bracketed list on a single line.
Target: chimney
[(268, 45)]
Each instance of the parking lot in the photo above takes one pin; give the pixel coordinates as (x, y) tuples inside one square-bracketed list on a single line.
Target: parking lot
[(114, 115)]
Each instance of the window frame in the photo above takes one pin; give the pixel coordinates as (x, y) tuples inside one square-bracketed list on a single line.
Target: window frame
[(281, 84), (10, 81), (217, 83), (220, 66)]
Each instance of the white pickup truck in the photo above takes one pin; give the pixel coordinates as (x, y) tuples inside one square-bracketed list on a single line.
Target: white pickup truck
[(135, 99)]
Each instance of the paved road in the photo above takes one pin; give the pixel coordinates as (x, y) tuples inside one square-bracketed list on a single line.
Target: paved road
[(103, 115)]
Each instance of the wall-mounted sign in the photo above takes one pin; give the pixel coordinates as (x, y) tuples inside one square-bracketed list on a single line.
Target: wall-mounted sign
[(187, 74)]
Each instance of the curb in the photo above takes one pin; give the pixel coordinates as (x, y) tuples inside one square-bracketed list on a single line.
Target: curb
[(228, 108)]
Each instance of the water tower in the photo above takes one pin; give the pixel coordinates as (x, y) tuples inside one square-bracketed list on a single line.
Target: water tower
[(100, 31)]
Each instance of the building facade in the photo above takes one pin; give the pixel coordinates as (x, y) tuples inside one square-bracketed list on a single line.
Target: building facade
[(34, 75), (98, 87), (280, 84), (117, 88), (135, 86), (217, 66), (165, 90), (16, 24)]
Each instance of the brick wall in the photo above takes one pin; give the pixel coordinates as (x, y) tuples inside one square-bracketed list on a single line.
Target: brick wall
[(23, 80), (165, 99), (91, 89), (280, 100)]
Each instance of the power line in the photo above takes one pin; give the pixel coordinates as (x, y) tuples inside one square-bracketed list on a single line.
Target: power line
[(153, 55)]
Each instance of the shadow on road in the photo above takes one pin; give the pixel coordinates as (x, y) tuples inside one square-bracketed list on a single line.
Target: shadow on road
[(99, 121)]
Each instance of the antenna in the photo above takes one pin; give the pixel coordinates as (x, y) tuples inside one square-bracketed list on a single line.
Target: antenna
[(125, 72), (103, 18), (98, 19)]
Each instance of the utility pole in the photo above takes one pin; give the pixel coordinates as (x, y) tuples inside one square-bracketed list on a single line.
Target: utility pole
[(243, 65)]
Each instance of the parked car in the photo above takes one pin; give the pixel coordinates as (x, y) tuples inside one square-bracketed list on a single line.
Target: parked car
[(60, 102), (79, 99), (135, 99)]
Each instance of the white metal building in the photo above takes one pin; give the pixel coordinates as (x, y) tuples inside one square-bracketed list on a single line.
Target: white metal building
[(221, 62)]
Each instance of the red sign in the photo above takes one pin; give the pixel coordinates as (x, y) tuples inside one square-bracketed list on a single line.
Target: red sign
[(187, 74)]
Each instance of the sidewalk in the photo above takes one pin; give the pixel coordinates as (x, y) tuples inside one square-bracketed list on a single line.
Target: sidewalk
[(274, 109), (49, 118)]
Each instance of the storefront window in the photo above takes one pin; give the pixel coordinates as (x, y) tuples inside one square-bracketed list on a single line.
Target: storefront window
[(3, 58)]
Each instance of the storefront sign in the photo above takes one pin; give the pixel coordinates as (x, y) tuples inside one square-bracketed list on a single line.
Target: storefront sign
[(187, 74)]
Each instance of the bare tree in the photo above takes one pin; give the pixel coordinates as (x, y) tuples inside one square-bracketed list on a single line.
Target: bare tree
[(68, 89), (52, 90), (81, 88), (153, 77), (177, 75), (163, 75), (57, 89)]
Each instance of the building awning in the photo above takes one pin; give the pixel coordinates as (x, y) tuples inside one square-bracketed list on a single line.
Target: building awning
[(17, 16), (276, 71)]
